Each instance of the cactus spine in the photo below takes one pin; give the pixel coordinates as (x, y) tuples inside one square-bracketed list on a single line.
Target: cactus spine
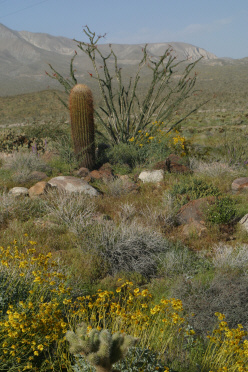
[(82, 124), (101, 348)]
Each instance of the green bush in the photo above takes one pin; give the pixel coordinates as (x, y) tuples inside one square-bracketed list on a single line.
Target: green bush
[(193, 188), (124, 153), (223, 211)]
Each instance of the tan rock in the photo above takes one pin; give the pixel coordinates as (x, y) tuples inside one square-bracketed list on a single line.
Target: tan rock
[(39, 189), (240, 184)]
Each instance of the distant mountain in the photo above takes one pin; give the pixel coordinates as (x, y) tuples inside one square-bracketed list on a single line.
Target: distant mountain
[(24, 57)]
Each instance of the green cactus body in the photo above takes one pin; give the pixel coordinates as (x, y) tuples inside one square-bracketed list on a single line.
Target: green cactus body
[(82, 124), (101, 348)]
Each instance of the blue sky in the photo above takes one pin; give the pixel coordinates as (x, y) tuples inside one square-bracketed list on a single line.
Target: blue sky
[(219, 26)]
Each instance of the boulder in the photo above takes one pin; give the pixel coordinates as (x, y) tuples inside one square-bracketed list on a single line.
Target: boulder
[(103, 173), (192, 216), (172, 164), (194, 211), (73, 184), (240, 184), (39, 189), (82, 172), (152, 176), (18, 191)]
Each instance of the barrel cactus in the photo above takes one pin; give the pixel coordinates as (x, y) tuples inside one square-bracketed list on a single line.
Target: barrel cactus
[(82, 124), (101, 348)]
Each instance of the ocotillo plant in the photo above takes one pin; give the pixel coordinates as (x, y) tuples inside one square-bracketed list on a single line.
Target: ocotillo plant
[(101, 348), (124, 112), (82, 124)]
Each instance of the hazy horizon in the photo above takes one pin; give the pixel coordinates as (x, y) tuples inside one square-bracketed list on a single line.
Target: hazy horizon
[(220, 26)]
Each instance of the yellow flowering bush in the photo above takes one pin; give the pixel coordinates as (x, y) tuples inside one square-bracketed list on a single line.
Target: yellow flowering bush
[(132, 311), (157, 136), (31, 327), (227, 349)]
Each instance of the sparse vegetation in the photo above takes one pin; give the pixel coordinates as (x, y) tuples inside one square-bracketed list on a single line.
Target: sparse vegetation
[(58, 241)]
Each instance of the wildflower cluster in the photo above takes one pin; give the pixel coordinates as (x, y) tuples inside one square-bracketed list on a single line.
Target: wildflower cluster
[(33, 324), (158, 136), (31, 327), (227, 349), (132, 311)]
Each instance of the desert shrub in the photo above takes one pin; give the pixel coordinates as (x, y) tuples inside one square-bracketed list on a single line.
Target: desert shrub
[(124, 153), (228, 258), (227, 348), (33, 288), (64, 148), (25, 160), (213, 292), (22, 164), (193, 188), (180, 260), (127, 211), (163, 215), (37, 310), (200, 151), (213, 169), (7, 204), (73, 210), (156, 143), (127, 247), (223, 211), (22, 208), (235, 149), (50, 130), (26, 208), (115, 187)]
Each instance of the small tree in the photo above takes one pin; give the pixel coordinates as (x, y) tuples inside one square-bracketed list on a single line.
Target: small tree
[(124, 113)]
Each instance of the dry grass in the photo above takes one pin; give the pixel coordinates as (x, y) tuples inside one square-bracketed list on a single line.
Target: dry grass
[(213, 169)]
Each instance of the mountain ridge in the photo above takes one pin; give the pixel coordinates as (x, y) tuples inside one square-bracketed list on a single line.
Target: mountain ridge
[(24, 58)]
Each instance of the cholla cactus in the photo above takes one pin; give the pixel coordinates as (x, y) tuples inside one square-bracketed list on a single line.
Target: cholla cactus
[(101, 348)]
